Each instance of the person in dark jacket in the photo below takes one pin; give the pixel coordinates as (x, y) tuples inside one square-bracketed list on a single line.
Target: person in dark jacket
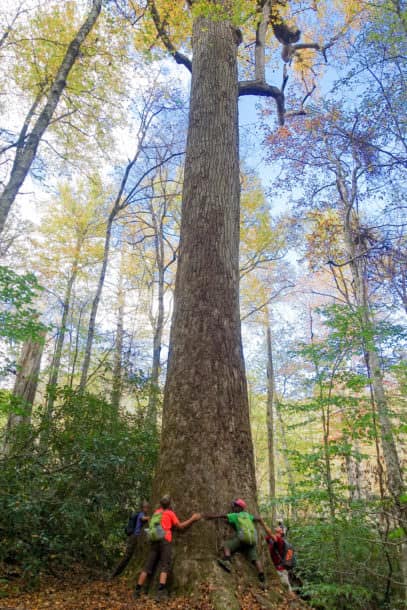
[(275, 543), (134, 530)]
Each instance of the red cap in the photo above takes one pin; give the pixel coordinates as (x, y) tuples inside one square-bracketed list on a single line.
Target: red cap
[(240, 502)]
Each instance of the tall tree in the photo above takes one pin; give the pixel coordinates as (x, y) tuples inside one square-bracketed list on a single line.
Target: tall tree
[(131, 187), (205, 394), (348, 159), (67, 247), (117, 372), (158, 229), (34, 128)]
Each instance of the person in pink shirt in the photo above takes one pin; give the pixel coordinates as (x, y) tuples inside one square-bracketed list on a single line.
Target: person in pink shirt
[(161, 545)]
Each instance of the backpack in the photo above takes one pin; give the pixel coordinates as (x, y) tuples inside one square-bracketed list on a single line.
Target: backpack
[(131, 524), (155, 531), (288, 558), (246, 530)]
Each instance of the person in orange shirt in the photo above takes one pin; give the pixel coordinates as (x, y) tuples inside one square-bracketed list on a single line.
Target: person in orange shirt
[(162, 523)]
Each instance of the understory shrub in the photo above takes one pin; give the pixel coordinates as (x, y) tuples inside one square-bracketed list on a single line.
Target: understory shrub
[(69, 482), (345, 564)]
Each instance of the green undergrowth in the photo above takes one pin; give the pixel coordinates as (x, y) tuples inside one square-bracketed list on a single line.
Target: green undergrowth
[(69, 483)]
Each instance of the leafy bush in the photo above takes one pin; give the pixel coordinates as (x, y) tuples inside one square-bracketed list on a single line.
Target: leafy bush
[(344, 564), (69, 482), (19, 319)]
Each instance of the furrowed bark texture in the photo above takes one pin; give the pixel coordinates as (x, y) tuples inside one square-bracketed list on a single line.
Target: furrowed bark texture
[(206, 456)]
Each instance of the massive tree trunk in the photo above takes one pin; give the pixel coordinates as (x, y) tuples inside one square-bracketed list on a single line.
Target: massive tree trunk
[(206, 457), (28, 141), (25, 386)]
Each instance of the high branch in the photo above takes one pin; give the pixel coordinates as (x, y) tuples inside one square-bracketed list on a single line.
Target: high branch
[(269, 12)]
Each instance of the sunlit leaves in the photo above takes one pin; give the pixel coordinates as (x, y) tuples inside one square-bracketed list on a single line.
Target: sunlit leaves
[(88, 109), (18, 315), (72, 231)]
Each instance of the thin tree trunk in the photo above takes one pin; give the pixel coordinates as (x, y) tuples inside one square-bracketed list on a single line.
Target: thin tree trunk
[(206, 457), (27, 145), (25, 386), (394, 474), (325, 421), (76, 350), (353, 474), (56, 361), (395, 483), (117, 206), (96, 301), (285, 453), (158, 323), (270, 422)]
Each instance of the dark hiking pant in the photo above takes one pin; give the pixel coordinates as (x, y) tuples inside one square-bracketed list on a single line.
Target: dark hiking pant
[(161, 554), (130, 548)]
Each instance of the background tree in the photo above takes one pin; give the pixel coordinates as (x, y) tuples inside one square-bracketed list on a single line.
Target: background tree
[(34, 127)]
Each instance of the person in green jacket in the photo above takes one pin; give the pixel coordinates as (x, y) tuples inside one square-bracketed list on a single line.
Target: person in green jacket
[(245, 538)]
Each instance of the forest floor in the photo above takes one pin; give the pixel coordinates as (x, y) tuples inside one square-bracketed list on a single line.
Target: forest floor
[(118, 595)]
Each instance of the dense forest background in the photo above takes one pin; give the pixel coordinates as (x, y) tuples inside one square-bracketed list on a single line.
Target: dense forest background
[(93, 131)]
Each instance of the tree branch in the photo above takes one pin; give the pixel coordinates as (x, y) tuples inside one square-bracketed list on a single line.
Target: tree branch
[(271, 298), (180, 58), (261, 88)]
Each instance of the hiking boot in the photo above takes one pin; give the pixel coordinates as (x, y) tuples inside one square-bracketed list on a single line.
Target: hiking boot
[(262, 582), (162, 594), (225, 564), (137, 593)]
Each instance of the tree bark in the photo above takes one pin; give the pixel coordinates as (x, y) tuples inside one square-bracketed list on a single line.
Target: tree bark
[(25, 386), (206, 456), (27, 145)]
